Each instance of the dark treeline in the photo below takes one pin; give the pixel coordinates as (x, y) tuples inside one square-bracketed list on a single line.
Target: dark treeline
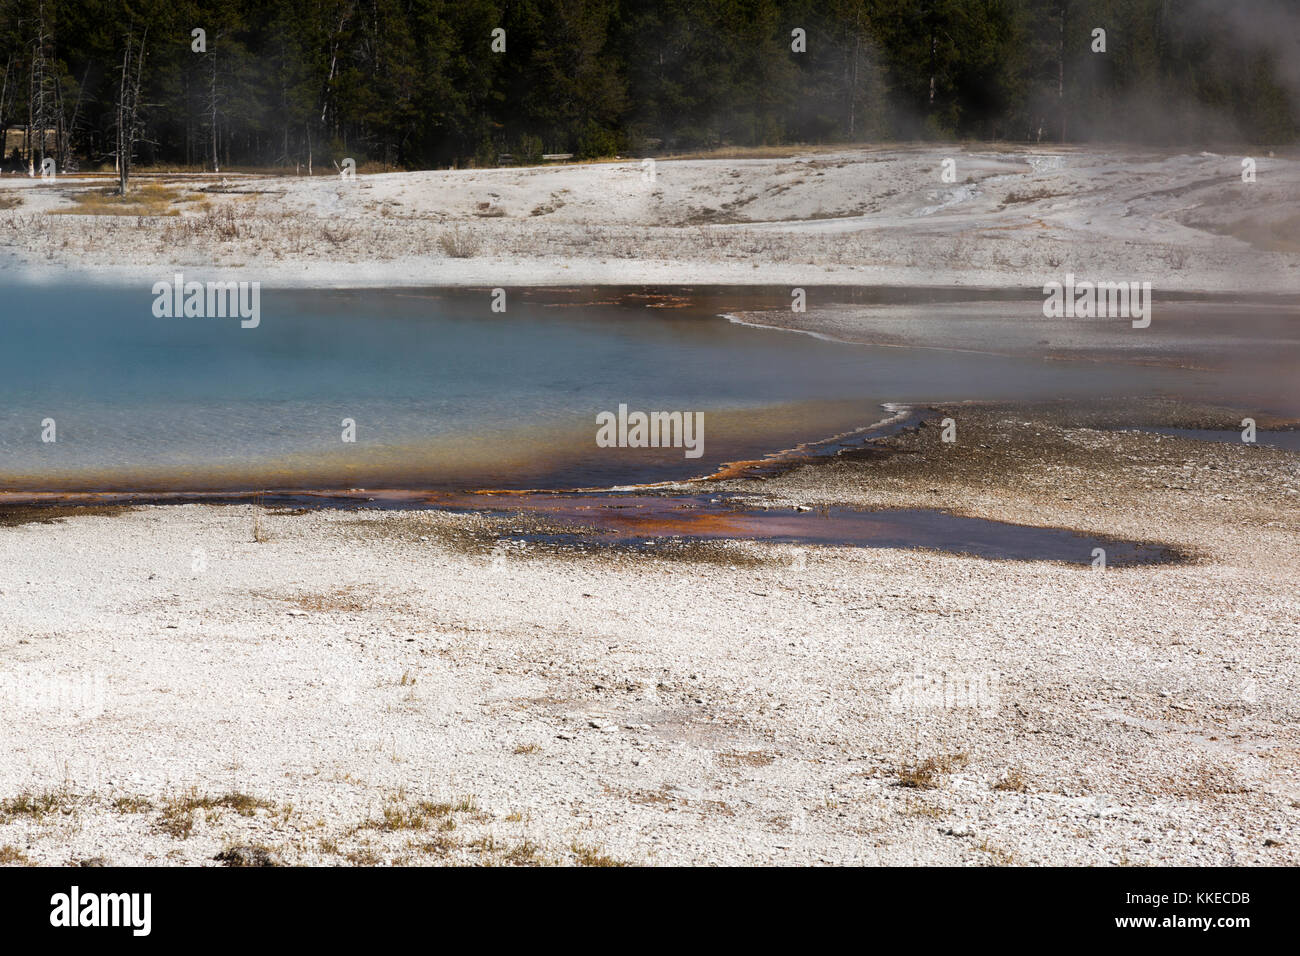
[(417, 83)]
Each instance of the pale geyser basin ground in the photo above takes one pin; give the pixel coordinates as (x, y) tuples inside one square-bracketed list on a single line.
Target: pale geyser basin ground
[(345, 688), (744, 703), (338, 686), (1015, 216)]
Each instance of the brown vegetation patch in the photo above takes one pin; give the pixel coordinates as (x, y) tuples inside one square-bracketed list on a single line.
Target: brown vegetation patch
[(148, 200), (925, 775), (178, 814), (752, 758), (12, 856), (1013, 782), (13, 515)]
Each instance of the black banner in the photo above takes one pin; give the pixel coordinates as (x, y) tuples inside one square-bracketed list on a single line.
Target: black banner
[(296, 906)]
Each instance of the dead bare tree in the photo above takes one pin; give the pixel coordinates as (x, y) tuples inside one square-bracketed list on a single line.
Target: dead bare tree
[(1064, 11), (345, 14), (6, 98), (42, 92), (69, 124), (212, 99), (128, 104)]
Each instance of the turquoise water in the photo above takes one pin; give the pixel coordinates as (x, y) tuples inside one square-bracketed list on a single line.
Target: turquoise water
[(444, 392)]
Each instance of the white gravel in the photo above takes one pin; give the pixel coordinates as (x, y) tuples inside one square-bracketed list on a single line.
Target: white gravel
[(655, 710)]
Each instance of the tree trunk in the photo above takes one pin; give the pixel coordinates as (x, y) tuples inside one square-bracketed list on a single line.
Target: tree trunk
[(212, 105), (128, 105), (1060, 71), (123, 160), (934, 42)]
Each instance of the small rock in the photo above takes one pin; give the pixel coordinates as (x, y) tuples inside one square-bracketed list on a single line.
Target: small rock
[(248, 856)]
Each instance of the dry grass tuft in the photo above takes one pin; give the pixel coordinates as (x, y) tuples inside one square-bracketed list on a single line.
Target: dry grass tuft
[(999, 857), (924, 776), (12, 856), (591, 856), (459, 243), (150, 200), (34, 805), (178, 814), (132, 805), (421, 815), (1012, 781)]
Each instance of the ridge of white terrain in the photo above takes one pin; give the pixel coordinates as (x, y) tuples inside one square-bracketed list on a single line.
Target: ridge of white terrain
[(1012, 217)]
